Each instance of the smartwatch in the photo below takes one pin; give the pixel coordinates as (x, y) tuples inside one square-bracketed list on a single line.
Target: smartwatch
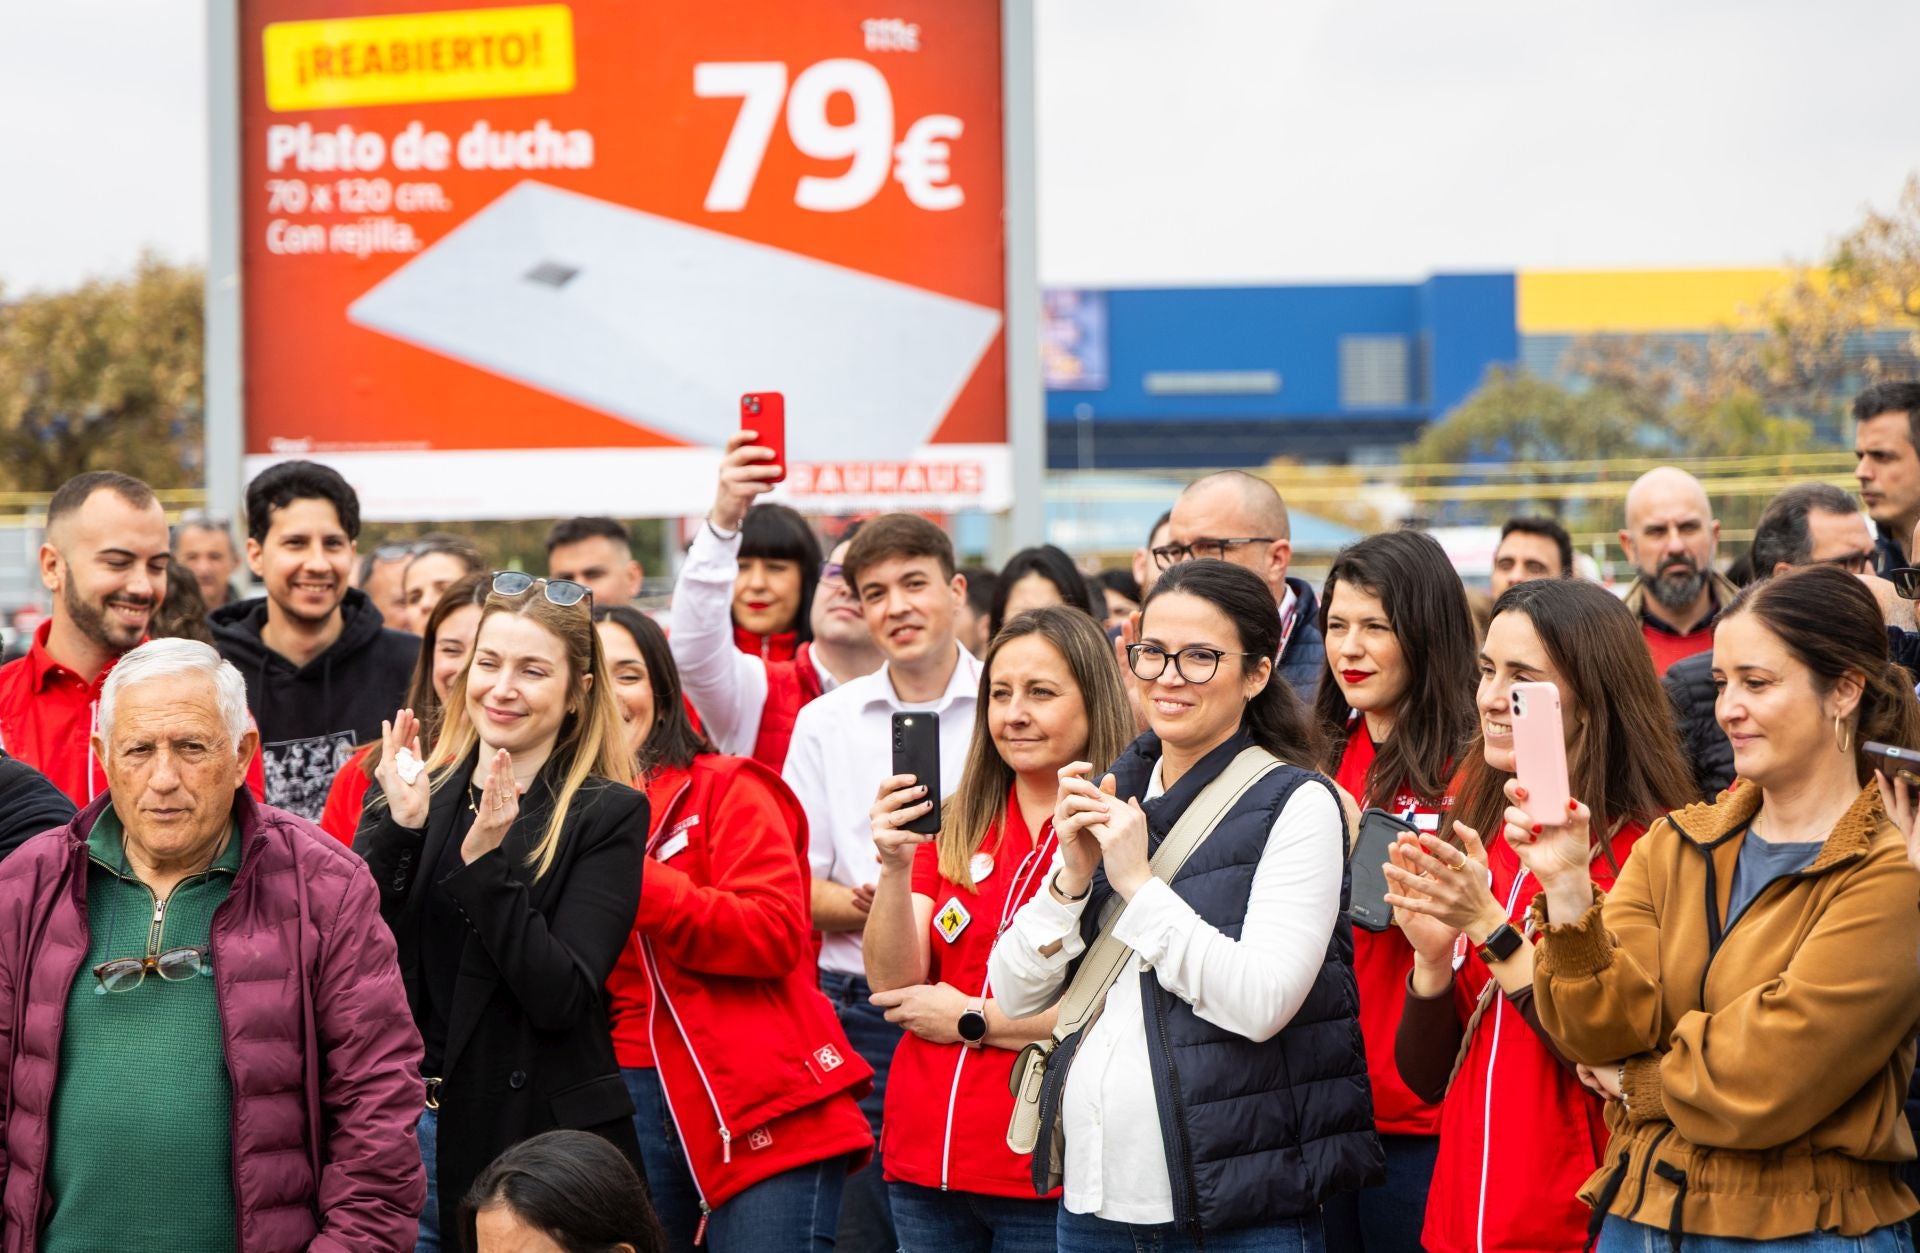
[(1502, 944), (973, 1023)]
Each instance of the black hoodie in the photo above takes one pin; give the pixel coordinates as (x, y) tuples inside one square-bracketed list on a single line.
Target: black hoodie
[(312, 717)]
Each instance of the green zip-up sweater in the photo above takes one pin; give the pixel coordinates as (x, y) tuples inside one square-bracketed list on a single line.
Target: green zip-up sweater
[(142, 1148)]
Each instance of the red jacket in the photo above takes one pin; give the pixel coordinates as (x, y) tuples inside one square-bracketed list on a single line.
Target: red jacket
[(790, 685), (319, 1042), (1519, 1136), (717, 991), (347, 798), (1382, 960), (781, 646), (948, 1105), (47, 720)]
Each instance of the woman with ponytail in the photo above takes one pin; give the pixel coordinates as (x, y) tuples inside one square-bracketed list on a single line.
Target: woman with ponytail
[(1399, 715), (1777, 923), (509, 867), (1518, 1132)]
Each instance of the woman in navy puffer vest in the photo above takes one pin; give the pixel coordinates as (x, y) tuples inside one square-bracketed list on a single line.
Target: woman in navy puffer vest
[(1220, 1095)]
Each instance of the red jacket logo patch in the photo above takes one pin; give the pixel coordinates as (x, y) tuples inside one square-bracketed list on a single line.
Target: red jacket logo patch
[(760, 1139), (828, 1057)]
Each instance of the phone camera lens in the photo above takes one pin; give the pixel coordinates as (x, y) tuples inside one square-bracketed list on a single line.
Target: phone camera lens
[(753, 404)]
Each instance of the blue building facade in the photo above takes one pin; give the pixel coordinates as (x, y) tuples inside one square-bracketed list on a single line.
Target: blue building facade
[(1187, 377)]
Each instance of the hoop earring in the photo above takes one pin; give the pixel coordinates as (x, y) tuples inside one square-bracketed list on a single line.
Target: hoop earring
[(1843, 733)]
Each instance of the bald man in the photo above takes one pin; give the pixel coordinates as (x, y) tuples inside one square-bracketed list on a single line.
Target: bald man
[(1239, 518), (1670, 537)]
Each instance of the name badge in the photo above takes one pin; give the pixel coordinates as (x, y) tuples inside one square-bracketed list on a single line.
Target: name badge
[(951, 920), (676, 841)]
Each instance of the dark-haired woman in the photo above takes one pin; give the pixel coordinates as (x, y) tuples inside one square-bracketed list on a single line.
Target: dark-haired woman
[(1220, 1095), (508, 864), (446, 642), (1034, 578), (760, 626), (1746, 993), (1468, 1032), (1051, 696), (739, 1070), (1399, 716), (563, 1190)]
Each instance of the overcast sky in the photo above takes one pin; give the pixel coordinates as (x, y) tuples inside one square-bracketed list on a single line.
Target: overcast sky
[(1203, 141)]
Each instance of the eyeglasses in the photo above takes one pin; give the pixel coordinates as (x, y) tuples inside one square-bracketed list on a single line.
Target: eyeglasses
[(833, 572), (562, 592), (176, 965), (1167, 556), (396, 552), (1194, 663), (1853, 563), (1906, 581)]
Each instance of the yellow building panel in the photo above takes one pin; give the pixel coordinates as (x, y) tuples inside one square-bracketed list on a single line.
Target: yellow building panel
[(1582, 302)]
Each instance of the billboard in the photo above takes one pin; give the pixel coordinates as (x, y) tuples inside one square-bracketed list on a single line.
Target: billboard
[(522, 260)]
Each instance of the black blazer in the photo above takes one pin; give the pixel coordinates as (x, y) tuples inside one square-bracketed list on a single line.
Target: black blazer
[(528, 1046)]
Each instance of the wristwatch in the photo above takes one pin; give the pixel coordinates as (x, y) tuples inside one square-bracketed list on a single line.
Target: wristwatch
[(1502, 944), (973, 1023)]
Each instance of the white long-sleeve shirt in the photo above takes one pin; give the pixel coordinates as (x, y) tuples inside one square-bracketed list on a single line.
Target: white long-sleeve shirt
[(1116, 1164), (728, 687)]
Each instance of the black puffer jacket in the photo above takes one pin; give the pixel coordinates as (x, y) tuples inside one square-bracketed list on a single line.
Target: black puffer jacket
[(1689, 684)]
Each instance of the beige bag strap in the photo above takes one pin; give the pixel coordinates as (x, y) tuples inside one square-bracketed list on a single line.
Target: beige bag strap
[(1108, 956)]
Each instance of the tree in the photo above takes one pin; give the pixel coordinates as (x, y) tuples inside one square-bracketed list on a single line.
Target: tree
[(1514, 416), (106, 376)]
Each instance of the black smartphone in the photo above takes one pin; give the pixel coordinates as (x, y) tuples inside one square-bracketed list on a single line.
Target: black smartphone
[(1894, 762), (916, 751), (1366, 898)]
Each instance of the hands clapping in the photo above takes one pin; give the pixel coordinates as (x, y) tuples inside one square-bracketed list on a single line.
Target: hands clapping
[(1095, 828)]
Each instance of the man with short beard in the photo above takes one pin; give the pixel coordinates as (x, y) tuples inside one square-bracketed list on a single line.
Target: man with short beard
[(1670, 537), (104, 563)]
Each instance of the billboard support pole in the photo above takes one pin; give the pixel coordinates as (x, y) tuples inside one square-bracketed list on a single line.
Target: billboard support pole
[(1026, 396), (223, 415)]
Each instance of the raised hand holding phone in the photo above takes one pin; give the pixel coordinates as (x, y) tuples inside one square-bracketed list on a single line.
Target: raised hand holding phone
[(901, 800), (745, 472)]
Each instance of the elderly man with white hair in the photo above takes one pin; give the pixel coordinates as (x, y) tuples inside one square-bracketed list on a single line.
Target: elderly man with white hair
[(204, 1038)]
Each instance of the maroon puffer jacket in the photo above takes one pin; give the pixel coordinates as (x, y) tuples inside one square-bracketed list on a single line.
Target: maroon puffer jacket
[(321, 1047)]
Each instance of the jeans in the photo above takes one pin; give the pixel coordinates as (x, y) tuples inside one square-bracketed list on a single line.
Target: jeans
[(1387, 1218), (795, 1211), (1084, 1233), (1617, 1235), (866, 1217), (932, 1221), (429, 1133)]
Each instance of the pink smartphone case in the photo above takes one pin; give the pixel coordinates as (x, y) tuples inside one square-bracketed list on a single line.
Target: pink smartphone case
[(1540, 751)]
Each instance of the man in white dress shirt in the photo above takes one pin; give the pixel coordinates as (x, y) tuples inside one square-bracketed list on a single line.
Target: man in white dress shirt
[(901, 568)]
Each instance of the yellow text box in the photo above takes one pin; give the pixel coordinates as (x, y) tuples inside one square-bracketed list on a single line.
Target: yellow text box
[(406, 58)]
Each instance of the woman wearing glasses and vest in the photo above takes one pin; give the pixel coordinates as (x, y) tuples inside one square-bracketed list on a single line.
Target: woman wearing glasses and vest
[(1220, 1095), (1747, 993), (1397, 710), (1468, 1031), (739, 1071), (446, 641), (1050, 696), (508, 864)]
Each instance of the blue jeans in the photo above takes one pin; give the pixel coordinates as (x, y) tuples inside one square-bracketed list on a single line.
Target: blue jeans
[(932, 1221), (1084, 1233), (1386, 1218), (795, 1211), (429, 1133), (866, 1217), (1617, 1235)]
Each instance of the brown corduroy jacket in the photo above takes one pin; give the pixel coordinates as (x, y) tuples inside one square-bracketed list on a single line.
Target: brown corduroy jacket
[(1766, 1062)]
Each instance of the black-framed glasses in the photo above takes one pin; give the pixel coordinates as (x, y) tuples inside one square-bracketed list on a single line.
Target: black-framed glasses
[(176, 965), (1853, 563), (1194, 663), (1906, 581), (1167, 556), (562, 592)]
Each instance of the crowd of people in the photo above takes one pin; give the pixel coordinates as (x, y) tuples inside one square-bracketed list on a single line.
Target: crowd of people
[(473, 909)]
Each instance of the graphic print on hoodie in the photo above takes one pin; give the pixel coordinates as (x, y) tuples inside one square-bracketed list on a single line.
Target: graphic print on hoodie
[(312, 717)]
